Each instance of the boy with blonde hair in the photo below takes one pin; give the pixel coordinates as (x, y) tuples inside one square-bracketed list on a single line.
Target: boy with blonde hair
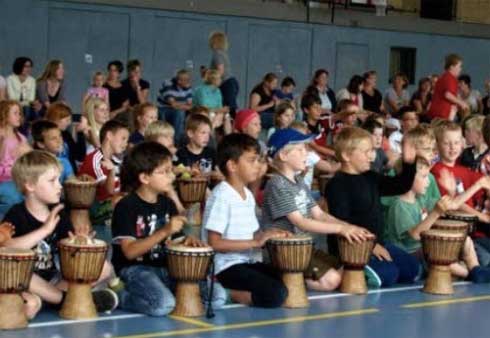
[(39, 226), (354, 195), (288, 204)]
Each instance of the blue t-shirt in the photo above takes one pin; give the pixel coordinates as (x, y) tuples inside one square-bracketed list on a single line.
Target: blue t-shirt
[(67, 169)]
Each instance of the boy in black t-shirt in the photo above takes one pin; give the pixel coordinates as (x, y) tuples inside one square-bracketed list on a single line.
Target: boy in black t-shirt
[(142, 221), (197, 153), (40, 227)]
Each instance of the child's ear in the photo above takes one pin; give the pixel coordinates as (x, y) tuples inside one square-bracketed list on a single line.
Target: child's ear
[(189, 133), (29, 187), (39, 145), (144, 178), (344, 157), (231, 166)]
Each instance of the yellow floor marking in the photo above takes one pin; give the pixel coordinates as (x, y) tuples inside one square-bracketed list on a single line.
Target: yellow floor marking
[(256, 323), (191, 321), (446, 302)]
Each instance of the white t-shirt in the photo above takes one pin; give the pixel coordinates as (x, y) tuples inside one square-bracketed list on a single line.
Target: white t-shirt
[(234, 218), (3, 83), (311, 160)]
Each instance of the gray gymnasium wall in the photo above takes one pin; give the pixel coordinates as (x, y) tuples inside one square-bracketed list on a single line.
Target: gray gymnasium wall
[(166, 41)]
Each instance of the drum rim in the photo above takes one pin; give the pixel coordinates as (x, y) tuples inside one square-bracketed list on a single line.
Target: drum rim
[(195, 180), (295, 239), (205, 251), (440, 234), (463, 217), (98, 245), (20, 253)]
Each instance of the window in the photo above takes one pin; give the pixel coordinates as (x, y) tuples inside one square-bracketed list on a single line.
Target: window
[(403, 60)]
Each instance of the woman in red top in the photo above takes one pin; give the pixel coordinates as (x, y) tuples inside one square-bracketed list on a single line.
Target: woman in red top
[(445, 100)]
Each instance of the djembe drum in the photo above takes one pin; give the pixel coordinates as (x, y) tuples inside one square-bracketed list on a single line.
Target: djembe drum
[(80, 194), (192, 193), (188, 265), (470, 219), (291, 256), (441, 249), (16, 267), (451, 226), (354, 256), (82, 260)]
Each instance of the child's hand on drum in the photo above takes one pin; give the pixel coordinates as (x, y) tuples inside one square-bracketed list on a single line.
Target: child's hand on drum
[(175, 225), (446, 203), (354, 233), (193, 242), (7, 230), (53, 218)]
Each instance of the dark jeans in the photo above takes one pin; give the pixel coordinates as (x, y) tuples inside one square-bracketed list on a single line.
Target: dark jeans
[(262, 280), (404, 267), (482, 248), (229, 91)]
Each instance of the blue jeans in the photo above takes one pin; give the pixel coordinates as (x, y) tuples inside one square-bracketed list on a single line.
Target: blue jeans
[(9, 195), (404, 267), (482, 248), (176, 118), (148, 290)]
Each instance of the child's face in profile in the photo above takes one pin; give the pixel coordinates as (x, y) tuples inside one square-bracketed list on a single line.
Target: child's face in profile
[(295, 156), (53, 142), (118, 140), (64, 123), (361, 157), (450, 146), (377, 137), (248, 166), (421, 180), (161, 179), (427, 149), (286, 118), (253, 128), (47, 189), (14, 118)]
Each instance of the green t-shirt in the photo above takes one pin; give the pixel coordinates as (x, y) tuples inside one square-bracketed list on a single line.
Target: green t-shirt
[(427, 201), (400, 217)]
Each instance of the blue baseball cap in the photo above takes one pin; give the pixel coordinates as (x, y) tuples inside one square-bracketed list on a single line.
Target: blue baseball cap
[(283, 137)]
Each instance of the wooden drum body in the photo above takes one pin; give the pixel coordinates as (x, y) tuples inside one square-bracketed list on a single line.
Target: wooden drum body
[(80, 193), (292, 257), (441, 249), (16, 267), (354, 257), (188, 266), (192, 193), (81, 265)]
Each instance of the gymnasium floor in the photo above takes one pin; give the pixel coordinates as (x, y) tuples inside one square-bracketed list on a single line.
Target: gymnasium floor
[(400, 312)]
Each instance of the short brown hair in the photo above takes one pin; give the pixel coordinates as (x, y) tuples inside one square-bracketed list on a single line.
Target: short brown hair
[(348, 140), (30, 166), (452, 60), (218, 40), (194, 121), (58, 111), (281, 109)]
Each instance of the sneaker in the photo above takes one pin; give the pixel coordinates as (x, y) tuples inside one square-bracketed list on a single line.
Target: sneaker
[(105, 300), (116, 284), (372, 279)]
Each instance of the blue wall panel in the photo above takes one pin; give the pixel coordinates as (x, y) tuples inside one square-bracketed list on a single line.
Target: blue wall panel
[(165, 41)]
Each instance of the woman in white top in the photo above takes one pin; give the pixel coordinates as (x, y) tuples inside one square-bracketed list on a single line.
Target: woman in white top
[(397, 96), (471, 96), (21, 86), (353, 91)]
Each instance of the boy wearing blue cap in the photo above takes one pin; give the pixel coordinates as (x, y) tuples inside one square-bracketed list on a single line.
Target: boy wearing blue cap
[(288, 205)]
